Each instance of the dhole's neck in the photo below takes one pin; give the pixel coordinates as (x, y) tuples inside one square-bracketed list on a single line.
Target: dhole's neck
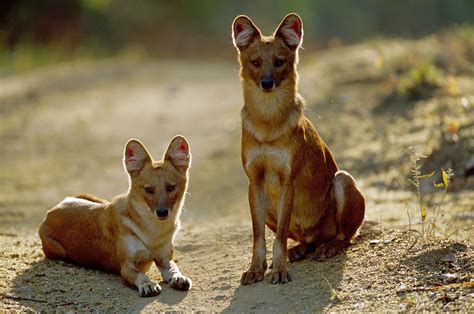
[(268, 116)]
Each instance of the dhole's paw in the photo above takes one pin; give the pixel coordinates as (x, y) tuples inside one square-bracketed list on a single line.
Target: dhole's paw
[(253, 274), (329, 250), (297, 253), (149, 289), (280, 276), (300, 251), (181, 283)]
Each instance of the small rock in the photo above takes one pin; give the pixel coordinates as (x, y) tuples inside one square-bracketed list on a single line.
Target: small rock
[(448, 277), (378, 241), (226, 286), (450, 258), (220, 297), (27, 279)]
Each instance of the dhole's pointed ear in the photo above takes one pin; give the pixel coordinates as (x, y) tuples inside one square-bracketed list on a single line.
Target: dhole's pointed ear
[(178, 153), (135, 156), (244, 32), (291, 30)]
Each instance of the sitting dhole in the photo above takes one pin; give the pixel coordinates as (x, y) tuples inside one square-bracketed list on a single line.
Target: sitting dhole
[(295, 186), (127, 235)]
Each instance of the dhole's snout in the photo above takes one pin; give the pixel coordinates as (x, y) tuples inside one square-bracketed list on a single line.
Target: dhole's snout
[(267, 84), (162, 213)]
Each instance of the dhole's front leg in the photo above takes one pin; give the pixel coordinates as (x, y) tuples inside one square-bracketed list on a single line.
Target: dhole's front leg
[(134, 278), (170, 271), (280, 253), (258, 265)]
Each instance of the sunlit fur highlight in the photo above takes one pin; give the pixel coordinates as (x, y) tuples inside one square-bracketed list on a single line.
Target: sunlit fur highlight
[(125, 236), (295, 186)]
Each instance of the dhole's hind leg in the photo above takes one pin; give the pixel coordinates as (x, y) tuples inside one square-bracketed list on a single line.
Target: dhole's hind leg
[(349, 215), (51, 247)]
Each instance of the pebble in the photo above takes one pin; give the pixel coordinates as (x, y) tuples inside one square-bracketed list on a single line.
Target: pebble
[(220, 297)]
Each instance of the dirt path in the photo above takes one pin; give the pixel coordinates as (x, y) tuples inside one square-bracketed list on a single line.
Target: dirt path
[(63, 130), (385, 268)]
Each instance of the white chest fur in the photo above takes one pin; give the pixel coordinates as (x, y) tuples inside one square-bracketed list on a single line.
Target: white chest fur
[(275, 158), (133, 245), (153, 233)]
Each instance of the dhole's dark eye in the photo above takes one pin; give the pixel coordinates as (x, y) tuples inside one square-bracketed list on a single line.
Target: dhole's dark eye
[(255, 63), (170, 187), (149, 190), (279, 63)]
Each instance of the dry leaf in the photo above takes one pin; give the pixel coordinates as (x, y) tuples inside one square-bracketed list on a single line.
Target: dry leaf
[(424, 176), (423, 213), (445, 176)]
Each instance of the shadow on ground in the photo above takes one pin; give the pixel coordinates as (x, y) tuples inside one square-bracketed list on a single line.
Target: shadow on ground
[(311, 289), (438, 261), (51, 285), (308, 290)]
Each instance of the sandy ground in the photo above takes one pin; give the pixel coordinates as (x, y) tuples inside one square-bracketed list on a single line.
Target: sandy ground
[(386, 269), (62, 132)]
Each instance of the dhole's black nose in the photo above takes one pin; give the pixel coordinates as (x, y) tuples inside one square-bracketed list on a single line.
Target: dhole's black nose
[(267, 84), (162, 212)]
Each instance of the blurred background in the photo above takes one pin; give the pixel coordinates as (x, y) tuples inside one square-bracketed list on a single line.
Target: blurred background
[(200, 29), (78, 78)]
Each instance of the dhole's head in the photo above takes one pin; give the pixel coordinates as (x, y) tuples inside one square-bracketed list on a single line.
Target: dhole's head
[(268, 61), (158, 184)]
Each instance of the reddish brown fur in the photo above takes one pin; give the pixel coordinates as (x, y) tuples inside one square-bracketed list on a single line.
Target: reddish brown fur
[(295, 186), (126, 235)]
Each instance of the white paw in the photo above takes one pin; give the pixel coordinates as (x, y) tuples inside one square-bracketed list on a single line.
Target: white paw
[(180, 282), (149, 289)]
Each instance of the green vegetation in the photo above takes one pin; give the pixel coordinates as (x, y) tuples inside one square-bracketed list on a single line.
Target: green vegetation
[(433, 66), (28, 56), (34, 33), (420, 81)]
